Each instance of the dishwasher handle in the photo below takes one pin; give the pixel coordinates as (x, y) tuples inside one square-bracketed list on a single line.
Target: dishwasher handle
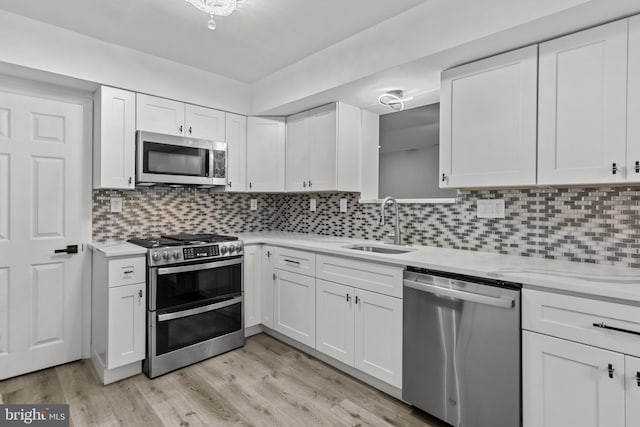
[(503, 302)]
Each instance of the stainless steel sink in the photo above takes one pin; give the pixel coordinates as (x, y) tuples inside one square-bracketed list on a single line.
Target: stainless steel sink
[(394, 250)]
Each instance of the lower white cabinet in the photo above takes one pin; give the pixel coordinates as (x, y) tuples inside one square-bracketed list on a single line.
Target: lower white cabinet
[(335, 320), (632, 388), (126, 325), (294, 306), (252, 278), (267, 282)]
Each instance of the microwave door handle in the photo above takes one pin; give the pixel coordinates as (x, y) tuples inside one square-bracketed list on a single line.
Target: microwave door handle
[(210, 171), (198, 310), (197, 267)]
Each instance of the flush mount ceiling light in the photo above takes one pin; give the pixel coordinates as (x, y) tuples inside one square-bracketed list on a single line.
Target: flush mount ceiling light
[(394, 99), (215, 7)]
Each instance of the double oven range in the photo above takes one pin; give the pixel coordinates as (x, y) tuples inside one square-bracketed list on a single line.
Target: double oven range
[(195, 307)]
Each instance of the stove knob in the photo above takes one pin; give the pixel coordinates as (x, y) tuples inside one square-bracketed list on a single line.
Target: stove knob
[(224, 250), (239, 247), (155, 256), (166, 256), (176, 254), (232, 249)]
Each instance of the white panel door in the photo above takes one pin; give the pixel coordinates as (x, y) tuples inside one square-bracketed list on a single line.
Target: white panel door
[(322, 149), (632, 386), (160, 115), (488, 122), (568, 384), (582, 107), (265, 153), (236, 133), (334, 320), (43, 176), (295, 306), (633, 102), (252, 278), (267, 283), (297, 153), (204, 123), (378, 336), (126, 330)]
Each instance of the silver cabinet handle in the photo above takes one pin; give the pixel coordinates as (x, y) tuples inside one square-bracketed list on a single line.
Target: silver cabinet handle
[(357, 299), (292, 261), (229, 184), (198, 310), (502, 302), (196, 267), (348, 297), (613, 328)]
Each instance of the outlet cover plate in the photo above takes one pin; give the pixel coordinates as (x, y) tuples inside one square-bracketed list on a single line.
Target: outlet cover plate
[(116, 204), (343, 205), (254, 204), (312, 205), (490, 208)]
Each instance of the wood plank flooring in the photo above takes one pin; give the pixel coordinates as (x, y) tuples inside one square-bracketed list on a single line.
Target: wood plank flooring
[(266, 383)]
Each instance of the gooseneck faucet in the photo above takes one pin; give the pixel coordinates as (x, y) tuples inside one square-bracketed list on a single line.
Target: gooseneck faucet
[(397, 238)]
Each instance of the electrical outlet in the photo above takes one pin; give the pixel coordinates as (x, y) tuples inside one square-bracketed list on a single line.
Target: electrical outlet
[(254, 204), (490, 208), (116, 204), (312, 205), (343, 205)]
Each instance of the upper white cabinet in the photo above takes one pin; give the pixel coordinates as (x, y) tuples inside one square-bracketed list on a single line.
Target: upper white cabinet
[(170, 117), (323, 149), (265, 154), (582, 107), (633, 102), (236, 133), (488, 122), (114, 138)]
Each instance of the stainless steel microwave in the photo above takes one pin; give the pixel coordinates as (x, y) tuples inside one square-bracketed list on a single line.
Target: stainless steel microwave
[(168, 159)]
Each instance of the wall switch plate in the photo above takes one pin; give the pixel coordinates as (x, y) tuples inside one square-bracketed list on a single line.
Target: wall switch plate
[(343, 205), (490, 208), (254, 204), (116, 204), (312, 205)]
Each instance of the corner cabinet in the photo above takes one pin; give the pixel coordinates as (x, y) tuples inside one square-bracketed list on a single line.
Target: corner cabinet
[(236, 134), (265, 154), (488, 122), (114, 139), (267, 282), (323, 149), (252, 280)]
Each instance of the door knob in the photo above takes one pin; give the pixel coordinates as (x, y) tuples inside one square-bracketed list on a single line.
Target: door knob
[(70, 249)]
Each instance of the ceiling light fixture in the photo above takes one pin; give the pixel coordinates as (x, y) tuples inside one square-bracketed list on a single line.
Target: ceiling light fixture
[(214, 7), (394, 99)]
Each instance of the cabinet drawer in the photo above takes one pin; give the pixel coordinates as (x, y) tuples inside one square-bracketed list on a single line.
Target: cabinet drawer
[(296, 261), (573, 318), (127, 271), (381, 278)]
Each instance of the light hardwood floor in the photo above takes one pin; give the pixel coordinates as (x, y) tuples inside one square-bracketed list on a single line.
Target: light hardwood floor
[(265, 383)]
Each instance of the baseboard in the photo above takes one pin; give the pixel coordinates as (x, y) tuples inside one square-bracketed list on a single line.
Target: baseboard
[(253, 330), (350, 370), (108, 376)]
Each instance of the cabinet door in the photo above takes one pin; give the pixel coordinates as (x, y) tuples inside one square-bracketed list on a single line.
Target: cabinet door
[(488, 122), (265, 153), (322, 149), (633, 102), (252, 278), (236, 132), (582, 107), (378, 336), (267, 283), (295, 307), (126, 325), (204, 123), (568, 384), (297, 153), (114, 139), (632, 386), (334, 320), (159, 115)]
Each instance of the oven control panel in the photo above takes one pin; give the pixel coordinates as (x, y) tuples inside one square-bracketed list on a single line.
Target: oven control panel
[(193, 253), (200, 252)]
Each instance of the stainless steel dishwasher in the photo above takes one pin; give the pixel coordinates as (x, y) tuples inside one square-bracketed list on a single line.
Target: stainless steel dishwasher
[(461, 348)]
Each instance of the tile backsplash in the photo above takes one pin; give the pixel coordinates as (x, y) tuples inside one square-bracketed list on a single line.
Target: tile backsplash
[(597, 225)]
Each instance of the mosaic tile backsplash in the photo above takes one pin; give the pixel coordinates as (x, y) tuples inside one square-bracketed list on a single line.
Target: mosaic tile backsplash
[(596, 225)]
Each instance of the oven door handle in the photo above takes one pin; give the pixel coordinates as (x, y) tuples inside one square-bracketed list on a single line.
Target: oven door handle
[(196, 267), (198, 310)]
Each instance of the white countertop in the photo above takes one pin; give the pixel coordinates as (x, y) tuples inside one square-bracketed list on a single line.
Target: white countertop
[(551, 275), (118, 249)]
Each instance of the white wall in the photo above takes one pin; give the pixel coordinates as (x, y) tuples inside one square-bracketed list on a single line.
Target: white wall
[(29, 43)]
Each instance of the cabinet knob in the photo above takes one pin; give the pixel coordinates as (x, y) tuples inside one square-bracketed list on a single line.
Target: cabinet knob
[(309, 183), (357, 299), (130, 180), (180, 128), (637, 167), (268, 254), (444, 177), (250, 185), (140, 293), (189, 130), (274, 276), (304, 184), (229, 184), (614, 168), (348, 297), (610, 370)]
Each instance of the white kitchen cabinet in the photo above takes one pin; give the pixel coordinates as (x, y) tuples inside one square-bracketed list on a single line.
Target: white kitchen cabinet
[(335, 325), (126, 330), (569, 384), (236, 133), (488, 122), (633, 102), (582, 107), (294, 306), (114, 130), (323, 149), (632, 390), (378, 336), (171, 117), (267, 284), (252, 285), (265, 154)]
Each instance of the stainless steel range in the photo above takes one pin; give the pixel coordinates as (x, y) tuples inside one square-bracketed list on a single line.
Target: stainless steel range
[(195, 306)]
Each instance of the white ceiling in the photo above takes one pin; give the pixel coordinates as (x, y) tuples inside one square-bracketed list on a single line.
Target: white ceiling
[(262, 36)]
